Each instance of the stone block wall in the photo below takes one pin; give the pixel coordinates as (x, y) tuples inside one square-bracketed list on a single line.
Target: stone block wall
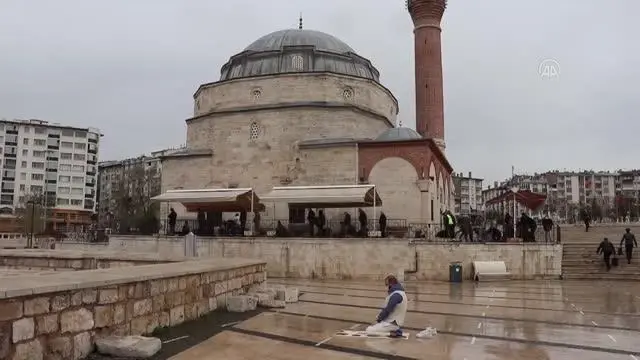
[(360, 258), (29, 259), (64, 324)]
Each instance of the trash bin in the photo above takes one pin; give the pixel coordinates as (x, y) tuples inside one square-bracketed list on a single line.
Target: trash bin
[(455, 272)]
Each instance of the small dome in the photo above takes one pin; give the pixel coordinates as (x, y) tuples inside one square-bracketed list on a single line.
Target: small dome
[(298, 50), (399, 134)]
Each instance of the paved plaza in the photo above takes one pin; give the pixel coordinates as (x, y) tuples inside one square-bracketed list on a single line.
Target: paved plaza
[(502, 320)]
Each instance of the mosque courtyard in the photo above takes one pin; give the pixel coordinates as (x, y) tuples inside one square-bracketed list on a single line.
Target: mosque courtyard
[(492, 320)]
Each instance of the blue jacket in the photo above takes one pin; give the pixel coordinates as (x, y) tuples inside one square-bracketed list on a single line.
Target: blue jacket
[(394, 300)]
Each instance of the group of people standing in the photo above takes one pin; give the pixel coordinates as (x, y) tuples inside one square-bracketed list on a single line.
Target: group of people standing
[(318, 224), (607, 249)]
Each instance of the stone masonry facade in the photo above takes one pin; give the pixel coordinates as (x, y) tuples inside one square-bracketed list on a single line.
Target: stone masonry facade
[(265, 91), (15, 260), (63, 325)]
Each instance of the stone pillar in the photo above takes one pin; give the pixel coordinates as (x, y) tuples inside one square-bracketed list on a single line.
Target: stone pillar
[(426, 16), (425, 203)]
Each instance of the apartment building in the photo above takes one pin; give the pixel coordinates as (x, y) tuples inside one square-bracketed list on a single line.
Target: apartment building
[(468, 194), (135, 178), (566, 191), (629, 183), (54, 163)]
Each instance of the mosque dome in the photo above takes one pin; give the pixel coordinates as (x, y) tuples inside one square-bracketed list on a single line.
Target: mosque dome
[(398, 134), (298, 50)]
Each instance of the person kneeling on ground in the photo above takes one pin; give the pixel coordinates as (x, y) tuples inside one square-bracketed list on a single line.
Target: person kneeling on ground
[(391, 318)]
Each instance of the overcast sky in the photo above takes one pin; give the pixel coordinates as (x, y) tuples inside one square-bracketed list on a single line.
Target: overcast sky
[(131, 68)]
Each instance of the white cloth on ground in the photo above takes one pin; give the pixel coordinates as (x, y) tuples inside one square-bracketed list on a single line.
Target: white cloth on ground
[(427, 333), (382, 327)]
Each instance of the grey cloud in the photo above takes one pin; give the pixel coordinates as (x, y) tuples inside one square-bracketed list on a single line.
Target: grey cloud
[(131, 68)]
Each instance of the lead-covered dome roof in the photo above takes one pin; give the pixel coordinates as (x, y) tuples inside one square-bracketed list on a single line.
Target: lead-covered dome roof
[(398, 134), (298, 50)]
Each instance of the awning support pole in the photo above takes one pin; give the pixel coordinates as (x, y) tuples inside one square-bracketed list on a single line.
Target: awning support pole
[(252, 213), (374, 208)]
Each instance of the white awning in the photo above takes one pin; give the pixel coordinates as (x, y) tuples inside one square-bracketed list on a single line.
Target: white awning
[(336, 196), (212, 199)]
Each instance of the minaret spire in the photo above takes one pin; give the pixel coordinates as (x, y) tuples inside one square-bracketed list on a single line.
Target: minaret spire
[(300, 22)]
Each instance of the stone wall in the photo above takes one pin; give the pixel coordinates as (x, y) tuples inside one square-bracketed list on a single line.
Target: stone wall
[(397, 183), (292, 88), (72, 260), (359, 258), (58, 316)]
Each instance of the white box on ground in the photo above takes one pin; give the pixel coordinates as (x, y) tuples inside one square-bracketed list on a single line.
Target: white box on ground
[(374, 234), (289, 295), (241, 303)]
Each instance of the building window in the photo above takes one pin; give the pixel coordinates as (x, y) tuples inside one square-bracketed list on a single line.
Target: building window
[(40, 130), (25, 152), (67, 132), (23, 164), (80, 146), (23, 187), (62, 201), (65, 167), (66, 144), (25, 141), (37, 165), (78, 168), (81, 134), (78, 179), (64, 190), (79, 157), (254, 131), (297, 63), (39, 154), (36, 189), (76, 202), (77, 191), (37, 177), (39, 142), (23, 176), (66, 156), (64, 179)]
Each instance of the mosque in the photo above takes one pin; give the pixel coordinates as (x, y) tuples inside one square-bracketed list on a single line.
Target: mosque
[(301, 107)]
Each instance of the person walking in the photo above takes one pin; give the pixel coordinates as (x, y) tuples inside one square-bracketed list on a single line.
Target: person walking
[(606, 249), (547, 226), (629, 241)]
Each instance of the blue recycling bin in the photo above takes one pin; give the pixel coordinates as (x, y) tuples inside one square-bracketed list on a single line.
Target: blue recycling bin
[(455, 272)]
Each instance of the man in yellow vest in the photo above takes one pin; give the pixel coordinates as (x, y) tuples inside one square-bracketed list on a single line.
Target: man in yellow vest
[(391, 317)]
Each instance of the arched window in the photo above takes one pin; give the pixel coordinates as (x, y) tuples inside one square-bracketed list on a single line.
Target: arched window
[(254, 131), (297, 63)]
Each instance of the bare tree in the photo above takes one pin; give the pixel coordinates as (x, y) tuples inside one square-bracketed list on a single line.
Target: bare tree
[(32, 213), (138, 182)]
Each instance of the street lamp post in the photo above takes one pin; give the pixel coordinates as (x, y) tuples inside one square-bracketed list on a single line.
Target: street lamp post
[(33, 215), (514, 190)]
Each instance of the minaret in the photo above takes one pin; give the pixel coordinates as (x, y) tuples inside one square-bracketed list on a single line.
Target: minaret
[(426, 16)]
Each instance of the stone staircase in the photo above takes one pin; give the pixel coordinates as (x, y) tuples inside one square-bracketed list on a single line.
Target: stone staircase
[(579, 259), (580, 262)]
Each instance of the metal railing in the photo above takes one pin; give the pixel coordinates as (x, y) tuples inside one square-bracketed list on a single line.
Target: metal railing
[(394, 228)]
